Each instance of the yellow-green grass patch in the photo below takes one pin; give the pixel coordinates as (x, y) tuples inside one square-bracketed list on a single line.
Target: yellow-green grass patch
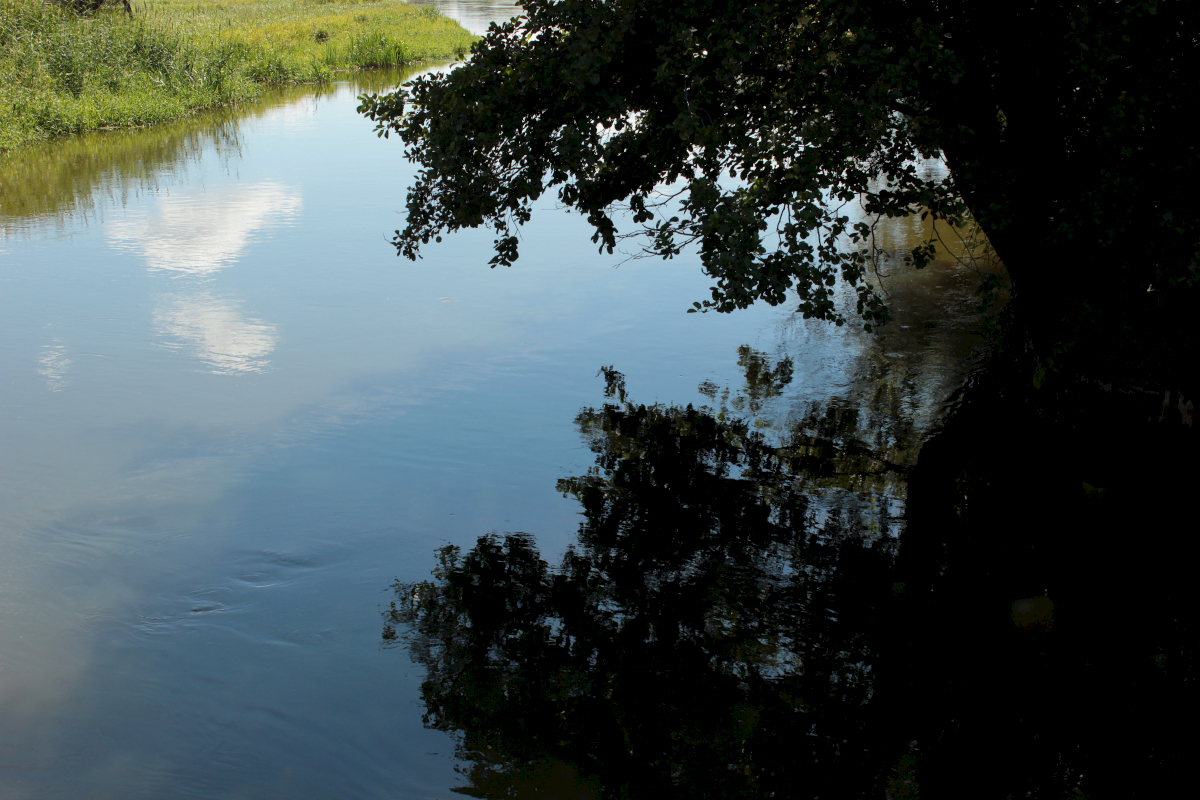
[(61, 73)]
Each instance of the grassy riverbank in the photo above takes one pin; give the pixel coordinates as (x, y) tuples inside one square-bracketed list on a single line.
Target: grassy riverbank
[(61, 73)]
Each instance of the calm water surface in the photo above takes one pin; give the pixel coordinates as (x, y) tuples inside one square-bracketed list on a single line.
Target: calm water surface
[(230, 417), (474, 15)]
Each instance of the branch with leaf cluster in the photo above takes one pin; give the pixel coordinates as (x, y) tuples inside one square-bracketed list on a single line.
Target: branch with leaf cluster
[(762, 122)]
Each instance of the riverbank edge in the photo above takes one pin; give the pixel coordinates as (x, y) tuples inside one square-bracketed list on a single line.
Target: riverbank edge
[(223, 74), (197, 110)]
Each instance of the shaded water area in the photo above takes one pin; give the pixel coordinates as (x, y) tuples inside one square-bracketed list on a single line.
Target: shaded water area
[(238, 434)]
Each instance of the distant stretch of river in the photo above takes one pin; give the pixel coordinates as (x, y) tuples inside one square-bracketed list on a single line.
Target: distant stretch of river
[(230, 416)]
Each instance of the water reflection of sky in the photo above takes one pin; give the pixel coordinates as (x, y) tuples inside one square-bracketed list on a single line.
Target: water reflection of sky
[(474, 15), (200, 232), (192, 563), (196, 234), (220, 336), (54, 362)]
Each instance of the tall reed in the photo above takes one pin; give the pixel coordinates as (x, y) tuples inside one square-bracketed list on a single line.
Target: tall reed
[(63, 73)]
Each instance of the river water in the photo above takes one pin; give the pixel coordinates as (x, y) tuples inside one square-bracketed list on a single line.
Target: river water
[(230, 417)]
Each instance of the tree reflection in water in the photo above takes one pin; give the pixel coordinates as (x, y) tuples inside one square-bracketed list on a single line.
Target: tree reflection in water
[(724, 628), (707, 632)]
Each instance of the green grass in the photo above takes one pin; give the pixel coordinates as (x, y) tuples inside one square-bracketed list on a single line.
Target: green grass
[(61, 181), (63, 74)]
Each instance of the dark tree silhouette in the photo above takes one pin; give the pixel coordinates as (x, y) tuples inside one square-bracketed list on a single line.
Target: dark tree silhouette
[(722, 629), (1066, 128)]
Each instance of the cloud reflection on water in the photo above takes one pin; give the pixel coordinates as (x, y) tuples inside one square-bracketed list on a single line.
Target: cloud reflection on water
[(195, 235), (54, 362), (201, 233), (219, 334)]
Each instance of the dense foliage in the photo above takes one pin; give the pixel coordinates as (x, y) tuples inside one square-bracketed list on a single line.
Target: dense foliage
[(747, 129)]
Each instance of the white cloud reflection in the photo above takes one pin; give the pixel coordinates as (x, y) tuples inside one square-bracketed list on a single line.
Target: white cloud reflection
[(198, 233), (195, 235), (54, 363), (217, 332)]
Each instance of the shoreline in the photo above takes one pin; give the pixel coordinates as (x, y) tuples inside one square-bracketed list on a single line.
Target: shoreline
[(64, 74)]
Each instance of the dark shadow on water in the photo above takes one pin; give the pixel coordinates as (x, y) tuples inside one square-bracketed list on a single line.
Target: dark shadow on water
[(1051, 550), (742, 616)]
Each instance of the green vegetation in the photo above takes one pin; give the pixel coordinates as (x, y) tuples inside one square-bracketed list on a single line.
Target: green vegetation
[(1068, 151), (48, 182), (62, 73)]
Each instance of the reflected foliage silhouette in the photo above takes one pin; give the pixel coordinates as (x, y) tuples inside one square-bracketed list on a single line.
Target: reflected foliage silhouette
[(867, 445), (711, 634), (728, 626)]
